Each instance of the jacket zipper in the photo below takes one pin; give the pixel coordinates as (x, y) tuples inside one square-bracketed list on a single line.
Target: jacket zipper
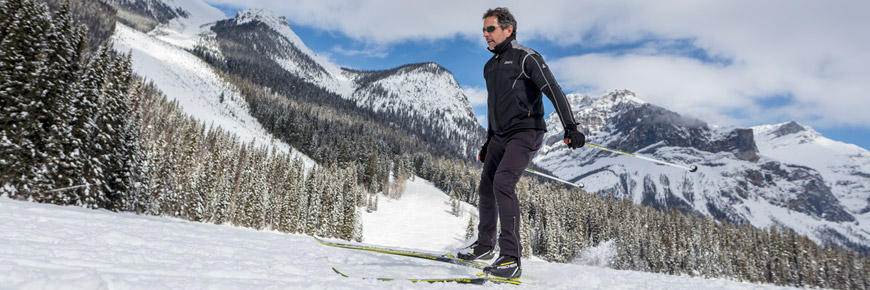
[(497, 124)]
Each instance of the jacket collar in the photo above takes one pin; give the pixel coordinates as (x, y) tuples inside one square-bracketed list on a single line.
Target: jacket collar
[(504, 45)]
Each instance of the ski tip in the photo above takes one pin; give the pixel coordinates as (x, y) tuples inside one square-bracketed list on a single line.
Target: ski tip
[(693, 168), (499, 280), (339, 272)]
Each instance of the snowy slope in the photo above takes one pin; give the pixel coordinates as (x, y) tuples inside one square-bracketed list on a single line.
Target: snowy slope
[(163, 56), (185, 32), (770, 181), (52, 247), (191, 82), (845, 167), (421, 219)]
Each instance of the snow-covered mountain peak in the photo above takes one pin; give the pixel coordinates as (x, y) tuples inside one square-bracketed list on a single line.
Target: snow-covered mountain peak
[(791, 134), (845, 167), (786, 129), (427, 67), (583, 103), (267, 17), (747, 175), (271, 35), (621, 96), (592, 112), (427, 91)]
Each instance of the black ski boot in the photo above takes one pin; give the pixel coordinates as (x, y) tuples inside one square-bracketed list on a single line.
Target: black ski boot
[(507, 267), (476, 252)]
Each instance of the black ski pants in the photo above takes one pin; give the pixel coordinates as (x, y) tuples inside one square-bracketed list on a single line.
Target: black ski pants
[(506, 159)]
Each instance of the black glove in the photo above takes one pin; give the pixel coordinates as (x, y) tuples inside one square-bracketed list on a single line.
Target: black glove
[(482, 155), (573, 138)]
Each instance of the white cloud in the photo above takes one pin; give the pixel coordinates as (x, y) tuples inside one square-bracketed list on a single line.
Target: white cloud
[(476, 95), (483, 121), (373, 53), (813, 51), (681, 84), (377, 21)]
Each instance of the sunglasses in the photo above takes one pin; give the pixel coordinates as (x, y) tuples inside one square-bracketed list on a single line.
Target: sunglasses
[(489, 29)]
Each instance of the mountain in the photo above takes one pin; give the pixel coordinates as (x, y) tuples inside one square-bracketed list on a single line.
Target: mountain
[(163, 56), (786, 175), (426, 96), (423, 99), (845, 167)]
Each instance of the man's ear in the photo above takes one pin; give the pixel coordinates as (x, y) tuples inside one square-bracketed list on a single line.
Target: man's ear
[(510, 31)]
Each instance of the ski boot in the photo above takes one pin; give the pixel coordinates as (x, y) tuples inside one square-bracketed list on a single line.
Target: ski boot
[(507, 267), (476, 252)]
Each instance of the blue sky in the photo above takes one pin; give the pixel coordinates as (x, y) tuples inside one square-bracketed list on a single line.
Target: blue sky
[(740, 63)]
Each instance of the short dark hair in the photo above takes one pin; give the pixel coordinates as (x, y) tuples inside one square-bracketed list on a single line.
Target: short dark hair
[(505, 18)]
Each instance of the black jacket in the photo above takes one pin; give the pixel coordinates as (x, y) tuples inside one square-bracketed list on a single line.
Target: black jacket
[(515, 78)]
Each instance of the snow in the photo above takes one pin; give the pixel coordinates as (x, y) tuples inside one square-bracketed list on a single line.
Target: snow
[(53, 247), (394, 224), (184, 32), (843, 166), (195, 86), (836, 161)]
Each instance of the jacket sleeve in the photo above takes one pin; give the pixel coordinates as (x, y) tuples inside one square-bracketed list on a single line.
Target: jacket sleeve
[(539, 72)]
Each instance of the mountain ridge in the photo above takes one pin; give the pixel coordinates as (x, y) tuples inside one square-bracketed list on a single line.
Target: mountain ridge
[(739, 180), (424, 98)]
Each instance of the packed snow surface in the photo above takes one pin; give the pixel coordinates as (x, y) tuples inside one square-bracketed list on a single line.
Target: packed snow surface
[(52, 247)]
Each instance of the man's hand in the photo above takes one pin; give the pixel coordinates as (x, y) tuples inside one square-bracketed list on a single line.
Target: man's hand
[(482, 155), (573, 138)]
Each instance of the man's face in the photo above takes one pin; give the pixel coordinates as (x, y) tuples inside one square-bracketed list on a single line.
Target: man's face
[(496, 36)]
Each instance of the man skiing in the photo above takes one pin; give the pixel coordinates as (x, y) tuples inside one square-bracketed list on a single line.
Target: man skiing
[(515, 78)]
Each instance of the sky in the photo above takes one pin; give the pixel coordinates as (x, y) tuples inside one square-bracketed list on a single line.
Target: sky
[(729, 63)]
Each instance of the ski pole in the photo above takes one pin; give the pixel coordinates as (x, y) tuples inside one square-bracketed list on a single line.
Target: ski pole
[(692, 168), (578, 184), (67, 188)]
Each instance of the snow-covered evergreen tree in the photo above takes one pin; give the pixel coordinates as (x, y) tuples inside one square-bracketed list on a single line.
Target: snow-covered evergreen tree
[(23, 50)]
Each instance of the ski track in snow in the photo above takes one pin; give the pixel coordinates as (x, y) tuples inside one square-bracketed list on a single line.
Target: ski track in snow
[(52, 247), (440, 231)]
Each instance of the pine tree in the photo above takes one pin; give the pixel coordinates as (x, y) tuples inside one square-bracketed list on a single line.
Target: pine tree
[(92, 109), (314, 191), (135, 161), (223, 205), (121, 135), (55, 83), (471, 226), (207, 180), (23, 55)]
